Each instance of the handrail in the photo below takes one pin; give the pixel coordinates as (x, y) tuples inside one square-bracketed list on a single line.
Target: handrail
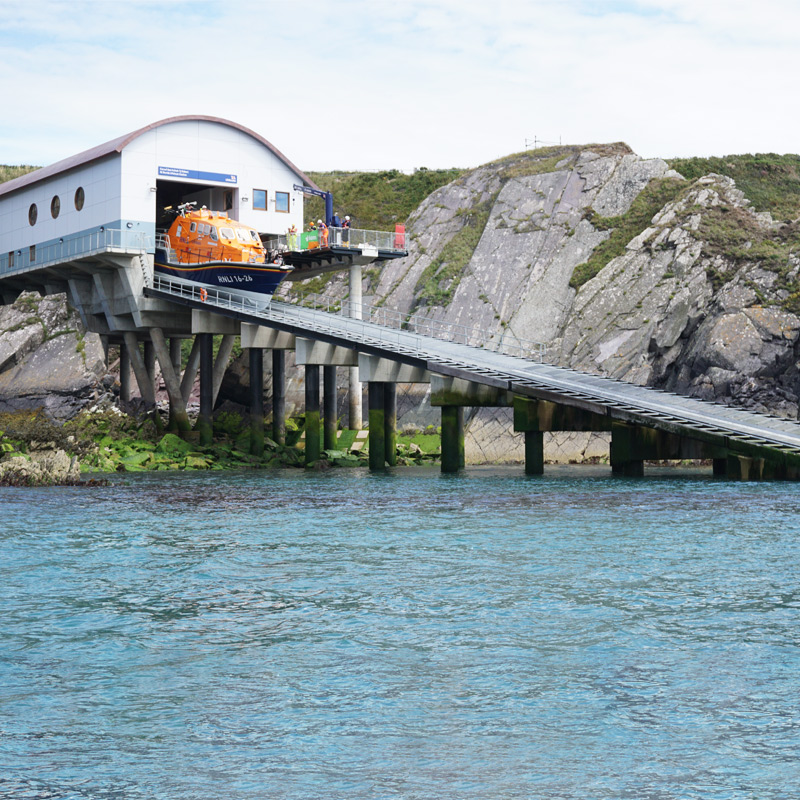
[(86, 244), (351, 238), (406, 327)]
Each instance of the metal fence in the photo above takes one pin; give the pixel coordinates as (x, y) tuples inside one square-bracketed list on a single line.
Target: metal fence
[(359, 320), (354, 238), (86, 244)]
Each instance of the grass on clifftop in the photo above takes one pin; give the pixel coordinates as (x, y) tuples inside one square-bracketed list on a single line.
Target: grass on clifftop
[(770, 182), (376, 201), (8, 173), (625, 227)]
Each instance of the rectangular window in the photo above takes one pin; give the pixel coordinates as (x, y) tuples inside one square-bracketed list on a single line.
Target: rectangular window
[(32, 253), (282, 201), (228, 200), (193, 227), (260, 199), (11, 260)]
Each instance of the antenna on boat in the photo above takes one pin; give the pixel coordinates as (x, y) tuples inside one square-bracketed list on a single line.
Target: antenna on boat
[(184, 207)]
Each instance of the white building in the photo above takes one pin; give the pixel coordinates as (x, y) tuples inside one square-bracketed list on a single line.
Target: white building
[(124, 186)]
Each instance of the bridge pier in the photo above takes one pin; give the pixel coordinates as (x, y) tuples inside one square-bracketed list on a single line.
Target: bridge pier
[(356, 409), (329, 416), (205, 425), (376, 393), (146, 389), (256, 359), (177, 408), (258, 336), (313, 451), (453, 453), (124, 373)]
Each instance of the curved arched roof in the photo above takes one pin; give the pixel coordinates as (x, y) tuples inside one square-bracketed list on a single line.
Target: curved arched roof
[(121, 142)]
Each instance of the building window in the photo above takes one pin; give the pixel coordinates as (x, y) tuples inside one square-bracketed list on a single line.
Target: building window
[(11, 260), (33, 214), (282, 201), (227, 203), (260, 199), (55, 206), (32, 253), (80, 197)]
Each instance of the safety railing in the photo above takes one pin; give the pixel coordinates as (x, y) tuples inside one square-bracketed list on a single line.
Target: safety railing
[(86, 244), (402, 330), (354, 238)]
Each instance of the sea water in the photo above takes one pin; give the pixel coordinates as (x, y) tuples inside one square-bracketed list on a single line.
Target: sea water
[(404, 635)]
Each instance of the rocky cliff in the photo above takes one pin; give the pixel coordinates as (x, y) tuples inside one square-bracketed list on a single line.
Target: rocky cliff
[(620, 265)]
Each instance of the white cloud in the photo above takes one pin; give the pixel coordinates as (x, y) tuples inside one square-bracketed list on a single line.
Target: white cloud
[(365, 84)]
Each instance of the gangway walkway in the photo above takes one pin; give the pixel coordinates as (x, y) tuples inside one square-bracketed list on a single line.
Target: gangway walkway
[(524, 372)]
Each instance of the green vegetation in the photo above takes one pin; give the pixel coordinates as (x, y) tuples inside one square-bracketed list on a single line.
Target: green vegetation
[(626, 226), (770, 182), (376, 200), (8, 173), (441, 277)]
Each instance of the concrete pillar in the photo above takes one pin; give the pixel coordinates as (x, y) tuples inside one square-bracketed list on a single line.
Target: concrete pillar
[(256, 401), (745, 468), (279, 396), (356, 408), (626, 460), (146, 388), (452, 438), (124, 373), (534, 453), (377, 426), (204, 420), (190, 373), (221, 362), (720, 467), (150, 361), (177, 408), (390, 423), (312, 413), (329, 410), (175, 355)]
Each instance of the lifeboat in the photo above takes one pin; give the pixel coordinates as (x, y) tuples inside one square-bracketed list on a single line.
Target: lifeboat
[(208, 247)]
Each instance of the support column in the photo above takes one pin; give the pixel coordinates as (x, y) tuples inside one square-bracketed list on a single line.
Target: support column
[(256, 401), (150, 361), (139, 370), (279, 396), (124, 373), (177, 408), (221, 363), (356, 407), (312, 413), (377, 425), (745, 468), (190, 373), (626, 460), (204, 420), (452, 438), (534, 453), (720, 466), (175, 354), (390, 423), (329, 409)]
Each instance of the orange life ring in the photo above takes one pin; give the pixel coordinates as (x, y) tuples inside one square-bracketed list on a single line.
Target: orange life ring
[(203, 294)]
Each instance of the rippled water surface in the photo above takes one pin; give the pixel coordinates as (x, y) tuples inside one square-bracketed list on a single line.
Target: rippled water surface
[(409, 635)]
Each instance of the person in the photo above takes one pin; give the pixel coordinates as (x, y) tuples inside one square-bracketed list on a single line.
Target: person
[(292, 237), (346, 231), (312, 226), (336, 224), (323, 229)]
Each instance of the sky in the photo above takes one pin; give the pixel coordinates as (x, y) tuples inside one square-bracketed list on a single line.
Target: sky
[(369, 84)]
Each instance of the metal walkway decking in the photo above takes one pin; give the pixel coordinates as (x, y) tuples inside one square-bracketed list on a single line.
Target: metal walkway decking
[(526, 376)]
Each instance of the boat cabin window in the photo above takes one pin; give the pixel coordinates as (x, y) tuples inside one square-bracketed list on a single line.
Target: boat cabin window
[(227, 233), (193, 227), (179, 231), (254, 236), (214, 234), (243, 236)]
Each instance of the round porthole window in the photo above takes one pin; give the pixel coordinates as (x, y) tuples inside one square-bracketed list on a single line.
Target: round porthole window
[(55, 206), (79, 198), (33, 214)]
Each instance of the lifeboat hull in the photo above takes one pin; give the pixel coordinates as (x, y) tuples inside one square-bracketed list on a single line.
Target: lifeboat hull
[(259, 278)]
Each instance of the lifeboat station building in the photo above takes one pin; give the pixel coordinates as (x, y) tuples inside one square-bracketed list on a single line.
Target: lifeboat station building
[(116, 194)]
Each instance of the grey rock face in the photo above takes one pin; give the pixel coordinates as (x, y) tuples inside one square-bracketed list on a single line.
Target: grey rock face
[(47, 360)]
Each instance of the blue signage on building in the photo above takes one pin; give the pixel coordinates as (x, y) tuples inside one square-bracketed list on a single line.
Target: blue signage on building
[(196, 175)]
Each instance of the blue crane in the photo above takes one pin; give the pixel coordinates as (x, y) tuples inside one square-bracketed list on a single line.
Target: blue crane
[(319, 193)]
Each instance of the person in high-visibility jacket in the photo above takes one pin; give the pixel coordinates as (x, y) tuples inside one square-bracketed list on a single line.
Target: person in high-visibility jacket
[(323, 230)]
